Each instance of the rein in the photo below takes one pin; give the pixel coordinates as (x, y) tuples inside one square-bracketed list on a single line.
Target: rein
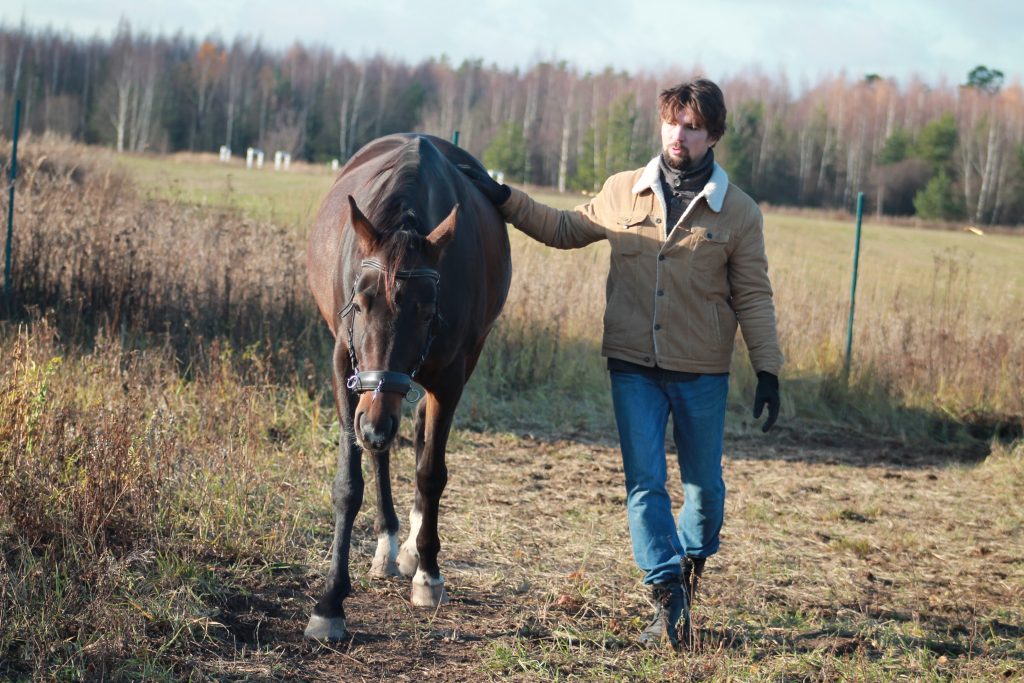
[(389, 381)]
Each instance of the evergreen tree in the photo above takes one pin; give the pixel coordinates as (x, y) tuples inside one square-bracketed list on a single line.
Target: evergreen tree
[(938, 201), (616, 148), (937, 142), (898, 147), (507, 152), (741, 143), (985, 79)]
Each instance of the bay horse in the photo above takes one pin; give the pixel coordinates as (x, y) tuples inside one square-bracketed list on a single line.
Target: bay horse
[(410, 266)]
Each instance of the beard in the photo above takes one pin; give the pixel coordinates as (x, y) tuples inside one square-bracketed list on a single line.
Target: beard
[(681, 163)]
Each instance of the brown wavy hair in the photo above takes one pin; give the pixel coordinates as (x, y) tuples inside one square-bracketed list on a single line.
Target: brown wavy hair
[(703, 98)]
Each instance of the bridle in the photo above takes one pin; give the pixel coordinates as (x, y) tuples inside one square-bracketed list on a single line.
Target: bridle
[(390, 381)]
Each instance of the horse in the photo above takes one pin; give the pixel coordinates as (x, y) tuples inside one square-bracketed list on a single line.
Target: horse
[(410, 266)]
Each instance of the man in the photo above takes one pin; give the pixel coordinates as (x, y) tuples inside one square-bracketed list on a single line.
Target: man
[(688, 265)]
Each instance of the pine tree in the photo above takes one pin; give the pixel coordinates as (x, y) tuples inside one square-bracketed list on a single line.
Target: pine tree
[(938, 201), (507, 151)]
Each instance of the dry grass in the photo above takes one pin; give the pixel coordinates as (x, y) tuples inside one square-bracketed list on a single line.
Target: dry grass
[(939, 330), (96, 256), (137, 505), (170, 530), (166, 452)]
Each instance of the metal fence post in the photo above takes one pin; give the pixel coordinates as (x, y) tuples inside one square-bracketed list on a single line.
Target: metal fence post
[(853, 286), (10, 206)]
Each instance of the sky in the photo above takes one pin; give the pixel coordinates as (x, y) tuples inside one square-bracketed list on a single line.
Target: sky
[(805, 40)]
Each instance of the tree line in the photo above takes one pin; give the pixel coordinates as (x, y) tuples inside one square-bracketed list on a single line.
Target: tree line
[(953, 151)]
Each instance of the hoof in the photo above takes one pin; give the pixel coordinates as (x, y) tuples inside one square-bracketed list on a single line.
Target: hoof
[(384, 559), (326, 628), (382, 569), (428, 592), (408, 560)]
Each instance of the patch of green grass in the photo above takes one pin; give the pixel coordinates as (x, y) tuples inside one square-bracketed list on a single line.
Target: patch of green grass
[(289, 198)]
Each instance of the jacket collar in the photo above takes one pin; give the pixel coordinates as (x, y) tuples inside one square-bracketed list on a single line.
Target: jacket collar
[(714, 191)]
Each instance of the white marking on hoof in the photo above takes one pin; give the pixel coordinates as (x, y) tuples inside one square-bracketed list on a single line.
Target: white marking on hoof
[(428, 591), (384, 559), (326, 628), (409, 556)]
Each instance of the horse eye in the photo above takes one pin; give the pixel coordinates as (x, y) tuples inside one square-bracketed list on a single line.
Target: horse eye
[(362, 303)]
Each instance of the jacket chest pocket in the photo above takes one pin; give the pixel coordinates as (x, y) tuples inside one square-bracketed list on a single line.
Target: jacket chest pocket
[(631, 229), (710, 248)]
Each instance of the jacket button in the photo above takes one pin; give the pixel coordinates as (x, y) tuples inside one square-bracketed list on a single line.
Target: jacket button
[(710, 236), (658, 221), (647, 359), (657, 327), (661, 292), (661, 257)]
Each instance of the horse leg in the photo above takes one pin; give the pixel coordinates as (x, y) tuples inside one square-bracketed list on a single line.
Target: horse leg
[(386, 523), (409, 556), (431, 477), (328, 619)]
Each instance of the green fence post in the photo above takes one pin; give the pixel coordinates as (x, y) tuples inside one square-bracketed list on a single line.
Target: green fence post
[(10, 206), (853, 287), (455, 138)]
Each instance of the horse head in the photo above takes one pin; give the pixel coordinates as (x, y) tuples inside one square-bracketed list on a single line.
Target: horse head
[(394, 316)]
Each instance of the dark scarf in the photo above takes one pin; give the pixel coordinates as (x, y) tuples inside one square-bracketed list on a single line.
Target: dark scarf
[(681, 185)]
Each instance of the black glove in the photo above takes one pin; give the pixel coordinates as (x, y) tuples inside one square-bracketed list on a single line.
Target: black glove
[(767, 393), (495, 192)]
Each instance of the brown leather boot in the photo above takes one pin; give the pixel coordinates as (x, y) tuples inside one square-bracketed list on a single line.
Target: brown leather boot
[(670, 602)]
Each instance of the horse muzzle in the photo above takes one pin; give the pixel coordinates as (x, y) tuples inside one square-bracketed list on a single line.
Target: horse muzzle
[(376, 429), (379, 409)]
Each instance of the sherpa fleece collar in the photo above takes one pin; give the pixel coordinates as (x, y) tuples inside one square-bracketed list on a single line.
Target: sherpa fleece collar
[(714, 191)]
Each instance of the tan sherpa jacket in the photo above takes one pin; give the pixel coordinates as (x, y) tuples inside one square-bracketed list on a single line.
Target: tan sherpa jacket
[(673, 302)]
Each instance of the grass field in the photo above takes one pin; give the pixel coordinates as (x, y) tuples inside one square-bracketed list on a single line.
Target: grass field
[(938, 324), (167, 440), (284, 197), (893, 259)]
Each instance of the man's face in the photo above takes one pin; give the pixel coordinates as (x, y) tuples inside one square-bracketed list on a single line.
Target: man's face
[(684, 141)]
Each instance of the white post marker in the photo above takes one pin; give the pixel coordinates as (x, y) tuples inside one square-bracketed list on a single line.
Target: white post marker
[(249, 155), (334, 164), (287, 160), (259, 158)]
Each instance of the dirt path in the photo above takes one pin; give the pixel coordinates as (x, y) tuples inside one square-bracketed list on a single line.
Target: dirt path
[(863, 559)]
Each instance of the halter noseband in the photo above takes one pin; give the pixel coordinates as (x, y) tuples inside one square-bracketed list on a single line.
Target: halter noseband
[(377, 381)]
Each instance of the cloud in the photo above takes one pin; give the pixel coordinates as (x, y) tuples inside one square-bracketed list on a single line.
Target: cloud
[(803, 38)]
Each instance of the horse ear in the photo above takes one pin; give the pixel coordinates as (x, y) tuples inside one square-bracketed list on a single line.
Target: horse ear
[(440, 236), (364, 229)]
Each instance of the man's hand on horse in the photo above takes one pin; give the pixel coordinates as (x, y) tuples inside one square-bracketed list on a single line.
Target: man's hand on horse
[(495, 192), (767, 394)]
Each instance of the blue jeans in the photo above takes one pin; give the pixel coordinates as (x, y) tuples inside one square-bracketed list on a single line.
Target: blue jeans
[(642, 406)]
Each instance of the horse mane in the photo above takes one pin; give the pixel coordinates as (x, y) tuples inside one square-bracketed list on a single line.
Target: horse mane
[(393, 211)]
